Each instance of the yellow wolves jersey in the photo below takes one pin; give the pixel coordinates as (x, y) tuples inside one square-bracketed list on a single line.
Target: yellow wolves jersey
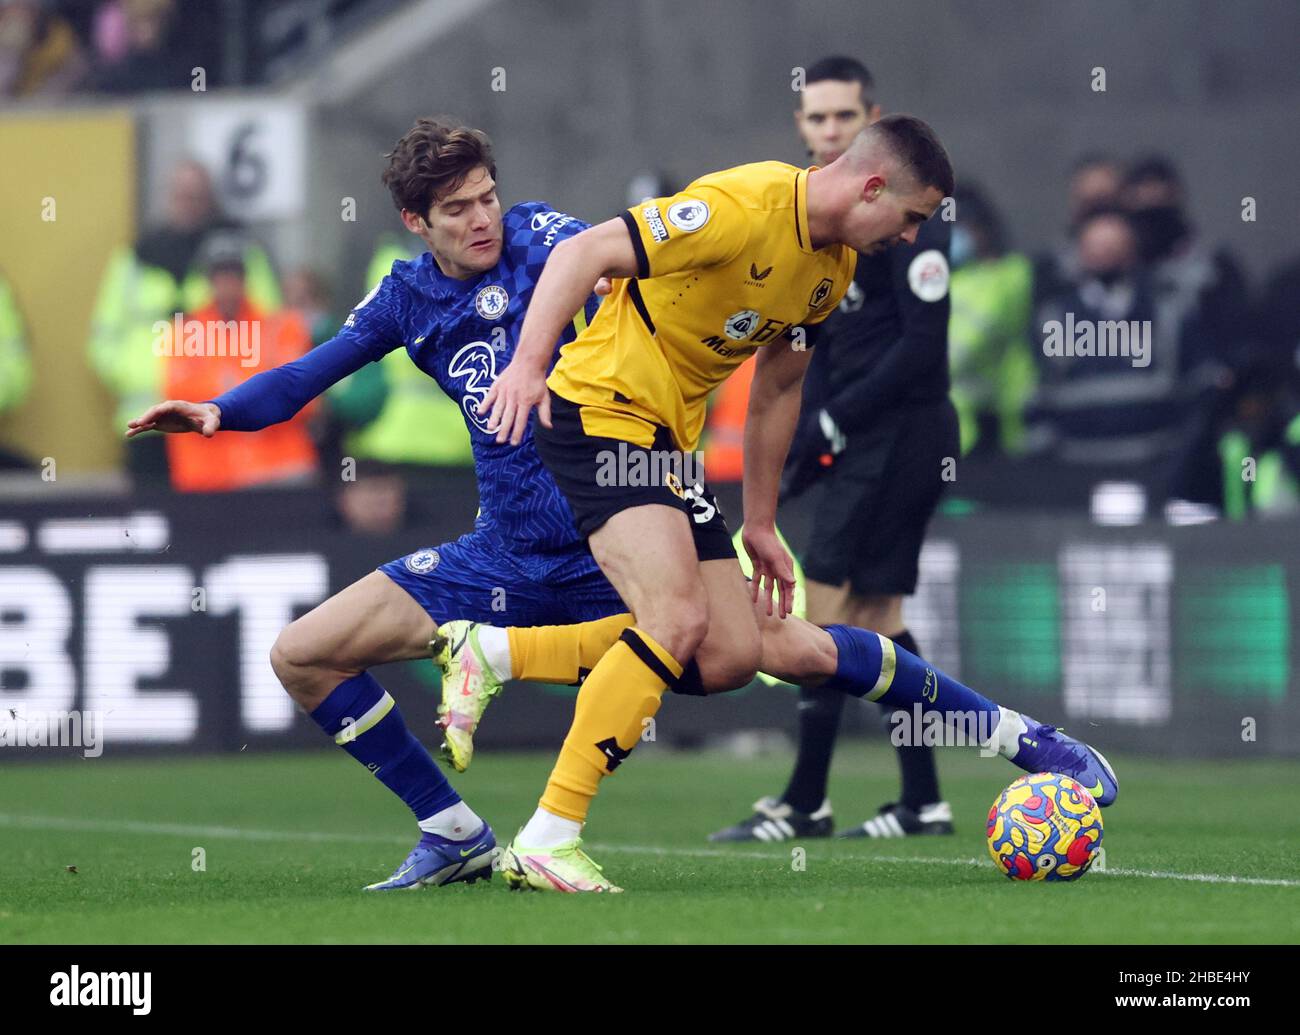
[(723, 268)]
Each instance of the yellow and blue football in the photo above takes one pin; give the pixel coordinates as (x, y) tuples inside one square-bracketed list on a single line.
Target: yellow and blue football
[(1044, 827)]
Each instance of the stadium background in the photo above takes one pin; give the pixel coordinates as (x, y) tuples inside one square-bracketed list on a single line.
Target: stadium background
[(1197, 638)]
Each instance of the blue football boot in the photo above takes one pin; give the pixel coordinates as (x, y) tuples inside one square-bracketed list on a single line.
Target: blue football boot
[(1046, 749), (437, 861)]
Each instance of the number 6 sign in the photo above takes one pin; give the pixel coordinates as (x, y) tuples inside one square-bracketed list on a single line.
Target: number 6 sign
[(255, 154)]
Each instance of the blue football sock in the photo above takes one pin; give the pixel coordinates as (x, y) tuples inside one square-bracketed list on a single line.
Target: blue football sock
[(875, 667), (366, 722)]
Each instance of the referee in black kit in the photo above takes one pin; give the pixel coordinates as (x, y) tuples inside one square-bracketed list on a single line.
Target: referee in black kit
[(875, 431)]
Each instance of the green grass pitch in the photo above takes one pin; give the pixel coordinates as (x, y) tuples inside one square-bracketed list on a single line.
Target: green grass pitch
[(289, 839)]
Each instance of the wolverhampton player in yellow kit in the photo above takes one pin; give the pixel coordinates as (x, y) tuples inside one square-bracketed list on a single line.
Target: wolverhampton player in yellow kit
[(738, 262)]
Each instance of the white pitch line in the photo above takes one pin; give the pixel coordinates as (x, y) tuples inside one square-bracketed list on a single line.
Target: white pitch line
[(127, 826), (1110, 871), (247, 834), (1203, 878)]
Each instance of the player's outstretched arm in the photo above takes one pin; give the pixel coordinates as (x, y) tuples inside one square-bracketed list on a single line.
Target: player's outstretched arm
[(769, 426), (177, 416), (566, 282), (267, 398), (371, 331)]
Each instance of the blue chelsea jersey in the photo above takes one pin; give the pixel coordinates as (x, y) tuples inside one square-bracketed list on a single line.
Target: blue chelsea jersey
[(462, 333)]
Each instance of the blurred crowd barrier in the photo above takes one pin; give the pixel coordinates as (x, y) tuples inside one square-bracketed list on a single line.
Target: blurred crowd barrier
[(155, 616)]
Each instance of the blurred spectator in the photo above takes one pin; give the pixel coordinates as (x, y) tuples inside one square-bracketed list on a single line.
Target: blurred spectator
[(1094, 184), (991, 360), (1202, 327), (1277, 316), (164, 42), (282, 454), (151, 282), (40, 54), (408, 420), (15, 364), (1097, 410), (111, 33), (307, 294), (1259, 445), (724, 438), (1200, 290)]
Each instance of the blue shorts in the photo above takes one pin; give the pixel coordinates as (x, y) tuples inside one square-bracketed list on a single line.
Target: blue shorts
[(477, 577)]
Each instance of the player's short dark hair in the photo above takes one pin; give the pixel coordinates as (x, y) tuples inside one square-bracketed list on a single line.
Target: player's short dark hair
[(917, 147), (432, 160), (840, 69)]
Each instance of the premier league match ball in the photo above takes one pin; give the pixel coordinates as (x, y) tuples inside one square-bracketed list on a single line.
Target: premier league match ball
[(1044, 827)]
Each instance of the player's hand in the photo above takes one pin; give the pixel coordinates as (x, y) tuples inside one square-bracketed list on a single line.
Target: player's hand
[(177, 416), (511, 399), (603, 286), (773, 567)]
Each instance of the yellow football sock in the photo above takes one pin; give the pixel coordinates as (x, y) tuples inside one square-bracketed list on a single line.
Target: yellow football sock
[(623, 690), (561, 653)]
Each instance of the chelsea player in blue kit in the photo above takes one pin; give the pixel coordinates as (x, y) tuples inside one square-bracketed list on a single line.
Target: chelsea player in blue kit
[(457, 310)]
